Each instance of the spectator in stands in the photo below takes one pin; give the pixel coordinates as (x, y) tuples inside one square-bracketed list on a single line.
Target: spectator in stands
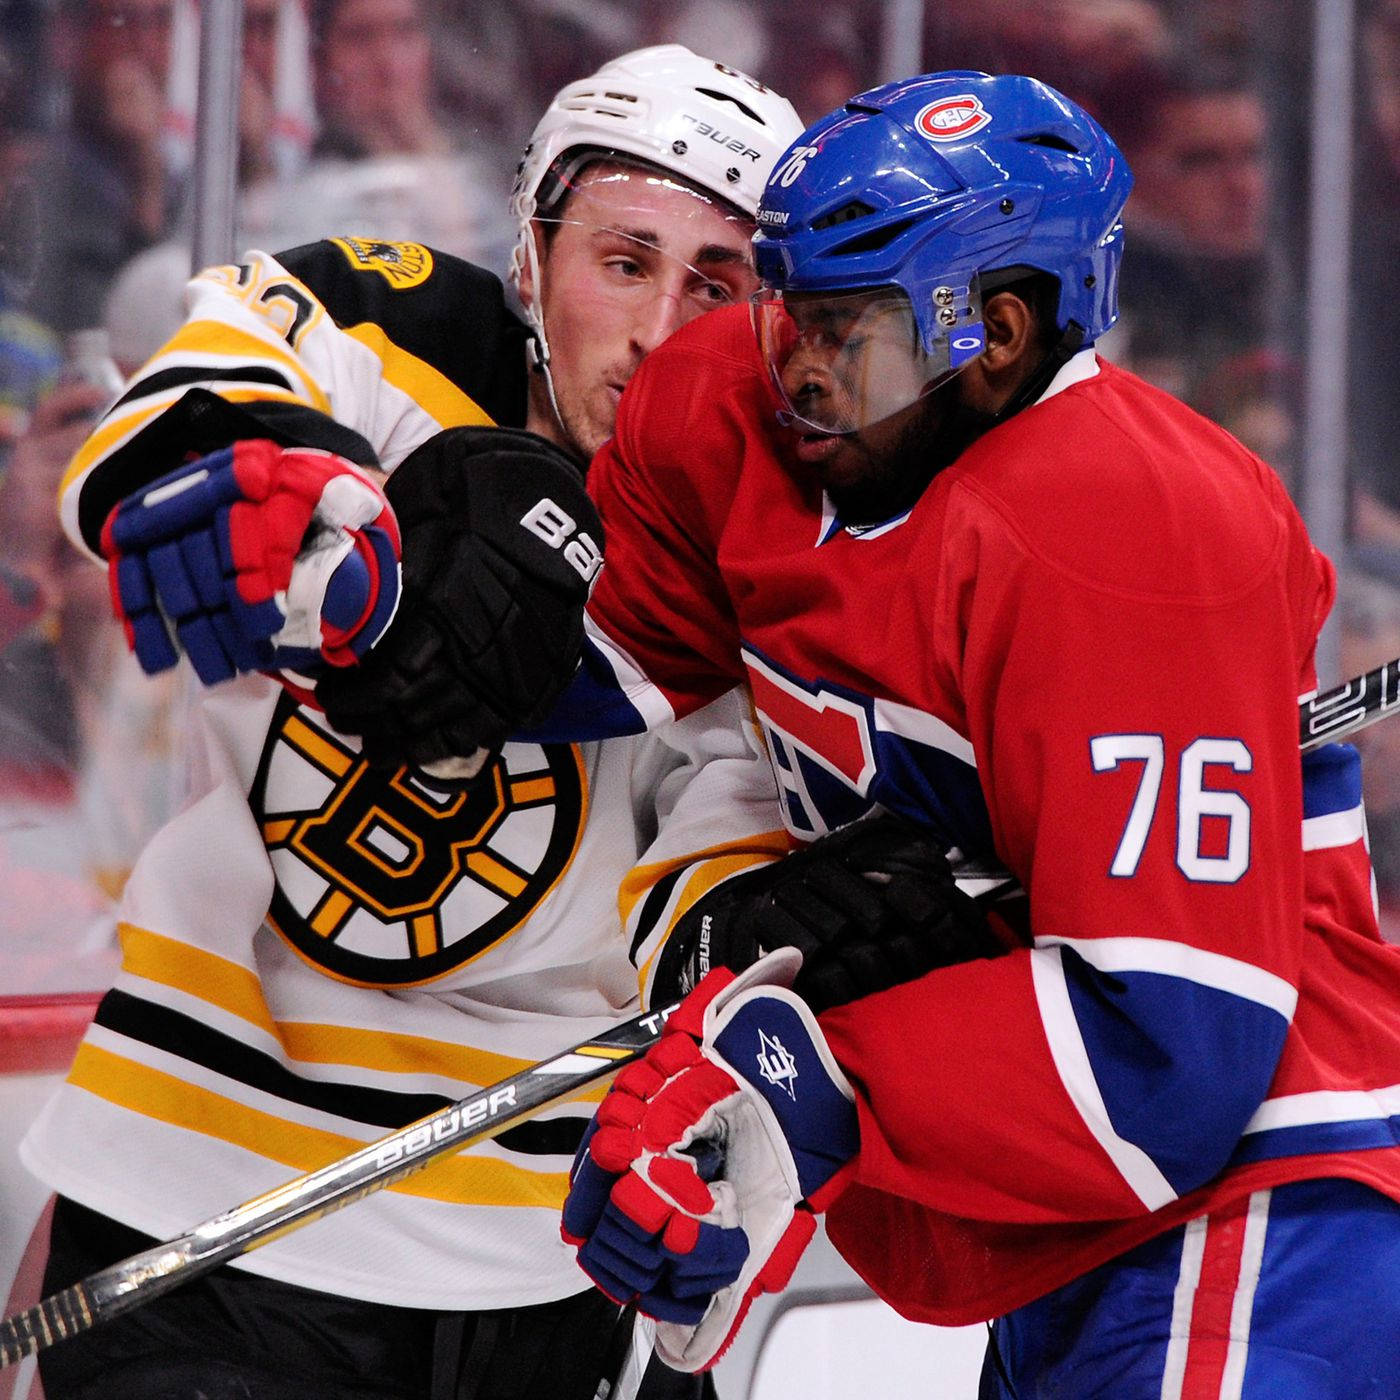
[(29, 351), (1375, 362), (1200, 273), (1094, 51), (385, 162), (1368, 610), (105, 190), (373, 76), (86, 744), (834, 60)]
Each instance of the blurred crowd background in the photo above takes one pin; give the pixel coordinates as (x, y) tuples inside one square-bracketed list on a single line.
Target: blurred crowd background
[(405, 119)]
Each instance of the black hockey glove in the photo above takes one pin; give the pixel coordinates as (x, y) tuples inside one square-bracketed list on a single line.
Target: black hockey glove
[(869, 906), (500, 547)]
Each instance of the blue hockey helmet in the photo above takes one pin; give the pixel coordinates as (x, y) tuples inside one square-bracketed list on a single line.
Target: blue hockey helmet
[(902, 204)]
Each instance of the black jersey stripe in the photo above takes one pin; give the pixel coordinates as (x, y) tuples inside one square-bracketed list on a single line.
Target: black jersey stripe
[(189, 1039), (198, 423), (652, 907), (164, 380)]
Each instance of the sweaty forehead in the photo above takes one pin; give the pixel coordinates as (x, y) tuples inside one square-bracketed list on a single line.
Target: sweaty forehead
[(654, 207)]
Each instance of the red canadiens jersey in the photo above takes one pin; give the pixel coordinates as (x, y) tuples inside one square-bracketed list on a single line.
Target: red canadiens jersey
[(1081, 651)]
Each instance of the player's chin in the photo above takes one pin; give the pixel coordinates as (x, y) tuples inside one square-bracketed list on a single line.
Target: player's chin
[(590, 425), (837, 460)]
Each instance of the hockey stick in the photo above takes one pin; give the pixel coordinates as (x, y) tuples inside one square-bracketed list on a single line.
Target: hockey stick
[(1345, 708), (142, 1277)]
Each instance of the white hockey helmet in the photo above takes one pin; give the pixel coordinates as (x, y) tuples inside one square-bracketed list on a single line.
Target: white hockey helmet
[(710, 125)]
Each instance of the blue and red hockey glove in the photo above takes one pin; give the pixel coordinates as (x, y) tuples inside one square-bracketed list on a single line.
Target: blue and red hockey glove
[(697, 1185), (256, 557)]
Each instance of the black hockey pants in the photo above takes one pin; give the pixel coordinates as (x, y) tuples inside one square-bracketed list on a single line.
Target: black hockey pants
[(234, 1336)]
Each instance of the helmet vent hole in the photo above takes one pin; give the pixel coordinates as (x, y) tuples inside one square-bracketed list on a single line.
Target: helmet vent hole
[(716, 96), (872, 242), (1051, 141), (856, 209)]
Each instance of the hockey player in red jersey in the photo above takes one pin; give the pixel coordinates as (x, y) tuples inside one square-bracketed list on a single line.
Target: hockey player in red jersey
[(982, 581)]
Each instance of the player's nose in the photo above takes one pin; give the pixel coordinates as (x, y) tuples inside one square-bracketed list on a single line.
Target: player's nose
[(805, 374), (662, 314)]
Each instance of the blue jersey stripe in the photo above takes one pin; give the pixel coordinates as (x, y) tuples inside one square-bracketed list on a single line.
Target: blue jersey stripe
[(1307, 1139), (1181, 1066), (594, 706), (1331, 780)]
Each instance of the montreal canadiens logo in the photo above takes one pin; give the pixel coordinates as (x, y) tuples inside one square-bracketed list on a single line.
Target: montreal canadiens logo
[(952, 118)]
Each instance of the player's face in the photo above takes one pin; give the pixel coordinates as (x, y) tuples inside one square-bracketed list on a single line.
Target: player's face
[(633, 257), (842, 362), (876, 473)]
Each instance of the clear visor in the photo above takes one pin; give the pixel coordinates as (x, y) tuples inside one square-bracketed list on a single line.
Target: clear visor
[(842, 361), (650, 234)]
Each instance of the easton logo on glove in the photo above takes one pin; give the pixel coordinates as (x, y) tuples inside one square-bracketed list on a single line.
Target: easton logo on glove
[(776, 1065), (255, 557)]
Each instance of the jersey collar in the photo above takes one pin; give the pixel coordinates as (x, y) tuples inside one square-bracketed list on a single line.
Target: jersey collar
[(1082, 365)]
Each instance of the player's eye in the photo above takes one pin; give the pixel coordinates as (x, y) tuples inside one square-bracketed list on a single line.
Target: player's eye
[(625, 267), (715, 293)]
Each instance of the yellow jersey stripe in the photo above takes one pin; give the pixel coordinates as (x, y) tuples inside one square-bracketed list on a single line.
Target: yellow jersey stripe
[(112, 430), (219, 338), (720, 862), (154, 1094), (431, 390), (235, 989)]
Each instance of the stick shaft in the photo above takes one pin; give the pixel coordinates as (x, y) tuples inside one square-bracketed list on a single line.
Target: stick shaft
[(131, 1282), (1354, 704)]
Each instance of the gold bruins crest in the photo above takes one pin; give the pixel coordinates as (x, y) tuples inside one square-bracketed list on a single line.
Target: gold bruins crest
[(385, 881), (401, 265)]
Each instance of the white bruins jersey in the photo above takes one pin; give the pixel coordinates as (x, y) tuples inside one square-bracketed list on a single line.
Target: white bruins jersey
[(315, 952)]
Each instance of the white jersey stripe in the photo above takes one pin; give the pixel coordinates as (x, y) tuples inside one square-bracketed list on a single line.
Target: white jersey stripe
[(1325, 1106), (1171, 959), (1334, 829), (923, 728), (1193, 1248), (1071, 1058), (1242, 1311)]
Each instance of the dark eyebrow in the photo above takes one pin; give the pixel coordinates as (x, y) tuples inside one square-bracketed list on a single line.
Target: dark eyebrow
[(717, 253), (712, 254)]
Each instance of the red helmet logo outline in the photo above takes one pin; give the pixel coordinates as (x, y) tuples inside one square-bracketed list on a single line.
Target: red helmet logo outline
[(952, 118)]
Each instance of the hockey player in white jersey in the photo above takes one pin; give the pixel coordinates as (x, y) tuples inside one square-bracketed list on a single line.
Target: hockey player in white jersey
[(325, 944)]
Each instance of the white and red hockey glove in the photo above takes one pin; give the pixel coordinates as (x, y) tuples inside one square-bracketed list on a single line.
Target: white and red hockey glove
[(253, 558), (697, 1185)]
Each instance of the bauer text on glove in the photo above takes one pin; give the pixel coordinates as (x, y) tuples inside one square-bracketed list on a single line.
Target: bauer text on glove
[(501, 547)]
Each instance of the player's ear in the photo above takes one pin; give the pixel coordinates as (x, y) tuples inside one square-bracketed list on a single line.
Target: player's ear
[(525, 280), (1012, 334)]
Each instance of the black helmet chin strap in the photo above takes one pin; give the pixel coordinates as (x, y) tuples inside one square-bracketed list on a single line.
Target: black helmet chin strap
[(1038, 381)]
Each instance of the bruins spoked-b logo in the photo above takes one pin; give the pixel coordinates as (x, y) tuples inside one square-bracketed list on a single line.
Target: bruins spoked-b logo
[(401, 265), (385, 881)]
